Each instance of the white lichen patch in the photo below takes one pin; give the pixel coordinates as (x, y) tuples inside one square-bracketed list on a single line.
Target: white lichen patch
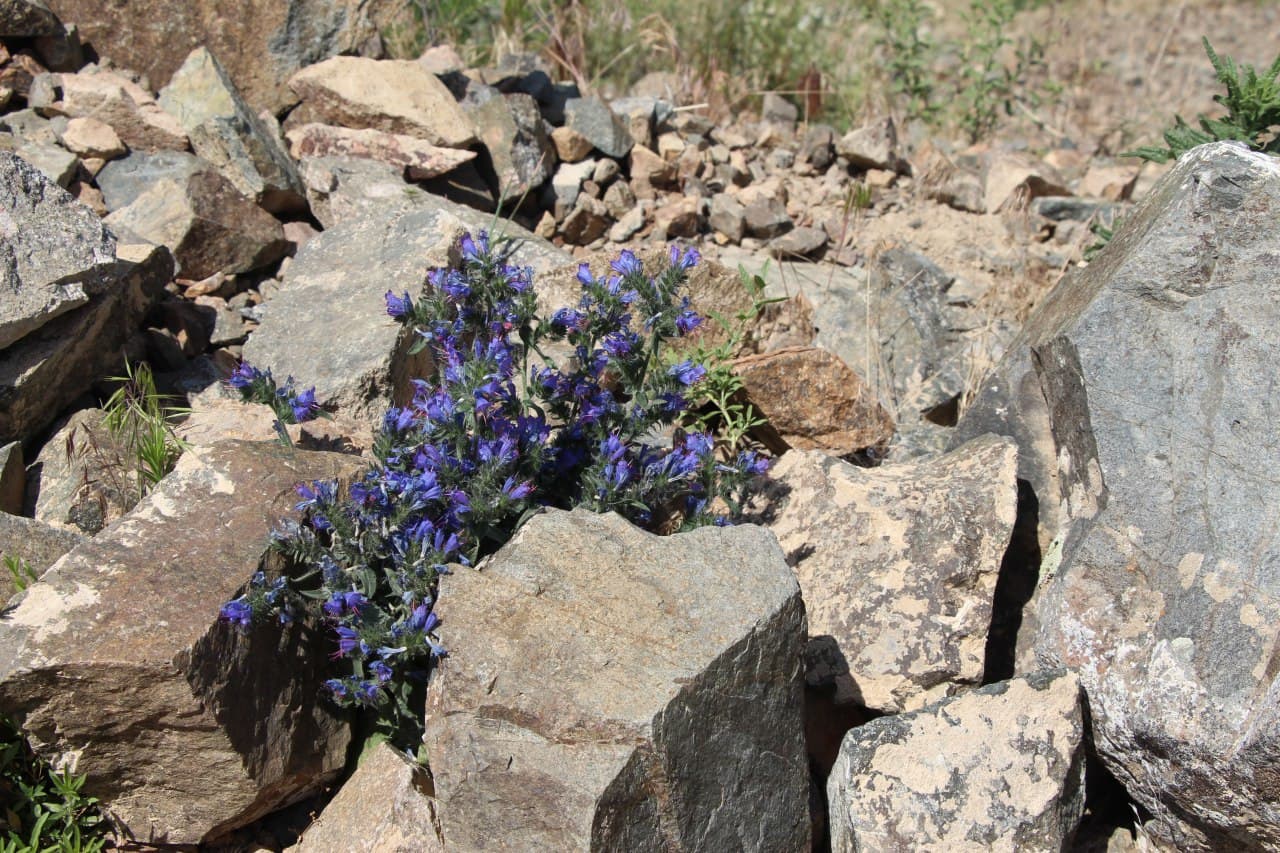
[(47, 611)]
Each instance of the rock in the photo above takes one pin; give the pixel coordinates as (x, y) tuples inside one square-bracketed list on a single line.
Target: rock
[(54, 254), (728, 217), (567, 183), (52, 160), (207, 224), (651, 675), (619, 199), (803, 242), (873, 146), (812, 401), (592, 118), (1113, 183), (1000, 768), (767, 218), (20, 73), (27, 18), (214, 419), (681, 217), (224, 131), (818, 148), (1016, 178), (123, 180), (60, 50), (53, 365), (396, 96), (328, 324), (777, 109), (1153, 502), (510, 128), (898, 565), (419, 160), (441, 59), (1071, 209), (89, 137), (571, 146), (385, 805), (261, 43), (586, 223), (126, 107), (650, 173), (628, 225), (84, 477), (117, 662), (37, 544), (344, 188), (13, 479)]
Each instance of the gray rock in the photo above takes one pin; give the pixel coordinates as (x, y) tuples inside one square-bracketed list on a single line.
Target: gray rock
[(417, 159), (898, 565), (57, 164), (627, 226), (567, 183), (803, 242), (225, 131), (874, 146), (340, 189), (117, 663), (37, 544), (767, 218), (27, 18), (52, 366), (728, 216), (647, 678), (1141, 398), (1071, 209), (818, 148), (207, 224), (586, 223), (1000, 768), (83, 479), (126, 107), (122, 181), (328, 324), (594, 119), (54, 253), (511, 130), (778, 109)]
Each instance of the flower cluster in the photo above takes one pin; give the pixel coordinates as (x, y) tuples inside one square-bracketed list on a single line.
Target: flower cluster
[(258, 386), (500, 430)]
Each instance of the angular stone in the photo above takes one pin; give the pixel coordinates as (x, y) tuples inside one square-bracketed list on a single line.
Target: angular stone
[(813, 401), (586, 223), (650, 173), (567, 183), (1000, 768), (510, 128), (627, 226), (344, 188), (37, 544), (397, 96), (1141, 398), (89, 137), (605, 688), (619, 198), (1113, 183), (898, 565), (118, 663), (126, 107), (328, 325), (603, 128), (225, 131), (802, 242), (767, 218), (52, 366), (728, 217), (681, 217), (818, 148), (54, 253), (1015, 178), (386, 805), (207, 224), (123, 180), (54, 161), (84, 478), (571, 146), (261, 43), (420, 160), (1071, 209), (873, 146), (27, 18)]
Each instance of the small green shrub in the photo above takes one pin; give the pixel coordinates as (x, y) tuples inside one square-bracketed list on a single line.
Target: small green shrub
[(138, 418), (42, 810), (909, 54), (1252, 101), (23, 575)]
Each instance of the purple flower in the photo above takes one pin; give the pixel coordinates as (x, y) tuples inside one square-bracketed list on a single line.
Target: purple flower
[(349, 641), (619, 344), (687, 372), (584, 275), (517, 491), (304, 405), (612, 448), (627, 263), (475, 250), (337, 688), (245, 375), (750, 462), (238, 612), (381, 671), (399, 306), (686, 261), (422, 619), (687, 321)]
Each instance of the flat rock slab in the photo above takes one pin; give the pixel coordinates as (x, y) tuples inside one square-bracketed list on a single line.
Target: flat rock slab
[(420, 160), (54, 252), (328, 325), (813, 401), (1143, 400), (117, 662), (397, 96), (608, 689), (996, 769), (898, 565)]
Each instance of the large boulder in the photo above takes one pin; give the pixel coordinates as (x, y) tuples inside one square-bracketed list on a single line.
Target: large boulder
[(118, 665), (225, 131), (390, 95), (898, 565), (261, 43), (511, 130), (54, 252), (1142, 398), (328, 326), (999, 768), (608, 689)]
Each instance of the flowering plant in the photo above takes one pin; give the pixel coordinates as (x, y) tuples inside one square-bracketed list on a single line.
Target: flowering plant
[(499, 431)]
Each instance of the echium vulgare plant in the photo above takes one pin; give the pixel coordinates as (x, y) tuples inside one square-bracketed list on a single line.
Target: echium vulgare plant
[(499, 431)]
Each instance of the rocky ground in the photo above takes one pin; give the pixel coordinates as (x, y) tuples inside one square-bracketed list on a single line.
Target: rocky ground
[(1010, 585)]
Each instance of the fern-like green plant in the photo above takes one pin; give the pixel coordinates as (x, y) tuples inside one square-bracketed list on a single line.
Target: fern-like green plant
[(1252, 101)]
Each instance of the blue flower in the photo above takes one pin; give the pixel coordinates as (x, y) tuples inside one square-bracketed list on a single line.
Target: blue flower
[(381, 671), (399, 306), (422, 619), (238, 612), (475, 250), (687, 372), (337, 688), (304, 405), (686, 261), (627, 263), (245, 375), (517, 491), (687, 321)]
